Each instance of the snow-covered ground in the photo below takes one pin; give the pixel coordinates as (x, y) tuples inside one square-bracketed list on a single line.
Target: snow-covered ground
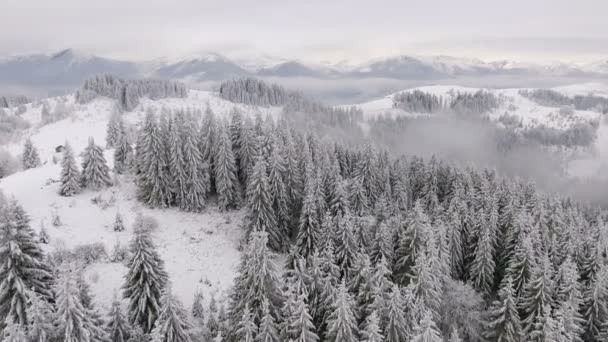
[(200, 250)]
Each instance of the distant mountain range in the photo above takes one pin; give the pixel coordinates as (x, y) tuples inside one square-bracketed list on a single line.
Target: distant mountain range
[(66, 70)]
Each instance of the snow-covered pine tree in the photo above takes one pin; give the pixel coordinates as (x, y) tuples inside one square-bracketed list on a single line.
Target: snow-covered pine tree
[(410, 243), (225, 172), (454, 337), (207, 144), (293, 178), (177, 162), (22, 265), (504, 324), (144, 282), (595, 306), (397, 326), (301, 328), (342, 322), (247, 329), (278, 190), (523, 260), (118, 326), (235, 128), (247, 152), (154, 179), (371, 331), (260, 213), (537, 295), (70, 176), (73, 320), (268, 328), (123, 154), (30, 157), (346, 244), (308, 229), (427, 329), (196, 169), (198, 310), (118, 225), (482, 267), (95, 171), (257, 280), (115, 128), (172, 323), (426, 280), (40, 319)]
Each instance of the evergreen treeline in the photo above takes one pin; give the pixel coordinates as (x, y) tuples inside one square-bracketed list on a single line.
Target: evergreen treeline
[(13, 101), (552, 98), (475, 104), (128, 92), (418, 102), (295, 105), (468, 104)]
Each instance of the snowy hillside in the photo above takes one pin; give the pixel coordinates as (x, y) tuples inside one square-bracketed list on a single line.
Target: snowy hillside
[(197, 249), (586, 163)]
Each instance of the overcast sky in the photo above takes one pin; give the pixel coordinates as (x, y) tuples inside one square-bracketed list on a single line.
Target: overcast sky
[(354, 30)]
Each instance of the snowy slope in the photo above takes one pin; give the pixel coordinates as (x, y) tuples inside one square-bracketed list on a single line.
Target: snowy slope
[(513, 103), (199, 250)]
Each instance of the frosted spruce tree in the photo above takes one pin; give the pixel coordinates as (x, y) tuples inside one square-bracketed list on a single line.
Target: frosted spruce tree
[(172, 323), (278, 192), (371, 331), (40, 314), (268, 331), (30, 157), (308, 228), (144, 282), (123, 154), (342, 324), (177, 163), (115, 128), (257, 280), (247, 329), (207, 144), (504, 324), (225, 171), (427, 329), (411, 242), (260, 213), (482, 267), (247, 151), (70, 175), (95, 170), (301, 328), (196, 169), (154, 179), (73, 320), (22, 265), (397, 326), (118, 327)]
